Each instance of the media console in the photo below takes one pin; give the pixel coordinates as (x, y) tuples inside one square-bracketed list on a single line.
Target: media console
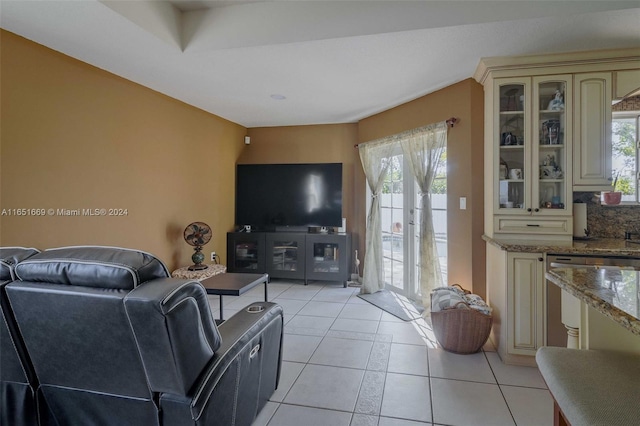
[(294, 255)]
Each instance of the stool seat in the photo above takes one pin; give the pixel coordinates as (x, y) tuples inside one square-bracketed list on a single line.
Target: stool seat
[(592, 387)]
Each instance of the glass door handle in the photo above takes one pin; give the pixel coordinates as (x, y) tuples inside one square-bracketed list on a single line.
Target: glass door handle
[(411, 223)]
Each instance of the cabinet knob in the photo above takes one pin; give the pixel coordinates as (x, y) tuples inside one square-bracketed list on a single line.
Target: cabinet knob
[(529, 209), (537, 210), (540, 259)]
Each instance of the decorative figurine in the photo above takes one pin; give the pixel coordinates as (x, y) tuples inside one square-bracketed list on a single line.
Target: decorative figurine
[(557, 103)]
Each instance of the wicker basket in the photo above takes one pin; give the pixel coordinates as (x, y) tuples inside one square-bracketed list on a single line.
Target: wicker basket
[(462, 331)]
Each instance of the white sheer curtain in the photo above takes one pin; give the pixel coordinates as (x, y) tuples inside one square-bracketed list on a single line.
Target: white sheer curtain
[(375, 158), (424, 147)]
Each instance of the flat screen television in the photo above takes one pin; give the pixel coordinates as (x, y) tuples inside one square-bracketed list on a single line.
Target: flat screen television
[(269, 196)]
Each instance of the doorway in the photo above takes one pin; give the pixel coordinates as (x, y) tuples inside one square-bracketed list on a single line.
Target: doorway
[(400, 225)]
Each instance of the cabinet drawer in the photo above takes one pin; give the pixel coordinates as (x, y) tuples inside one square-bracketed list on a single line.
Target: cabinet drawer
[(532, 225)]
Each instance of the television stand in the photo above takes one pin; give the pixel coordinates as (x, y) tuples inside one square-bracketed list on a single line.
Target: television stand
[(293, 255)]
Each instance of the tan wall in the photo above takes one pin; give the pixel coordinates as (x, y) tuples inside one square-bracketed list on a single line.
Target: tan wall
[(74, 136), (464, 101), (331, 143)]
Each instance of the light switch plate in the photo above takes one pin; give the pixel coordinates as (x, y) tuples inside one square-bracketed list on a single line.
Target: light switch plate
[(463, 203)]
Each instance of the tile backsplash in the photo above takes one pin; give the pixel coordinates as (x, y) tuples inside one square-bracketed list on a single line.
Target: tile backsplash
[(609, 221)]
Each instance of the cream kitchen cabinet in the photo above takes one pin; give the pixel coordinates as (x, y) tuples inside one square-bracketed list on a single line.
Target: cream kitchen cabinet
[(517, 293), (555, 148), (525, 313), (560, 147), (530, 155), (626, 83), (592, 130)]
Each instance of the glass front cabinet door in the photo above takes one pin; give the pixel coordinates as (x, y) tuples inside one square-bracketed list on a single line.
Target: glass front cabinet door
[(245, 252), (513, 140), (534, 145), (285, 255), (328, 257), (552, 154)]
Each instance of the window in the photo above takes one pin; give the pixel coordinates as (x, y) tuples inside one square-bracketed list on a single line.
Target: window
[(625, 151)]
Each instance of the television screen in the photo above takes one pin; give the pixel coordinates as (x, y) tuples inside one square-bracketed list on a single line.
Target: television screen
[(273, 195)]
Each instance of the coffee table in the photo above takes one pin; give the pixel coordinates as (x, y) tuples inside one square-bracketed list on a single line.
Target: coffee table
[(234, 284)]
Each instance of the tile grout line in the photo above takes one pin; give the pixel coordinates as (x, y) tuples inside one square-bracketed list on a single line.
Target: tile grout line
[(379, 322), (500, 388), (301, 370), (353, 412), (373, 342), (433, 419)]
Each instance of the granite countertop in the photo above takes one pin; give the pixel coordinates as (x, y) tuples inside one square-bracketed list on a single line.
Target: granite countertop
[(614, 293), (595, 246)]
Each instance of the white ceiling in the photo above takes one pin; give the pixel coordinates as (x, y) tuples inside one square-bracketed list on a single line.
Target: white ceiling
[(335, 61)]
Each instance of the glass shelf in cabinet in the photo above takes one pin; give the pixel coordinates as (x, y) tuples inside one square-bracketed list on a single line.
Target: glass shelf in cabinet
[(550, 147), (514, 180), (552, 180), (512, 147)]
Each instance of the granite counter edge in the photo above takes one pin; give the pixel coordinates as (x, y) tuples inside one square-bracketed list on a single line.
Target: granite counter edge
[(624, 319), (555, 249)]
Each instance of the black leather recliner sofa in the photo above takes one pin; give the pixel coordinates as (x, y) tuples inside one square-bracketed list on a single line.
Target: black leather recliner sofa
[(115, 341), (18, 382)]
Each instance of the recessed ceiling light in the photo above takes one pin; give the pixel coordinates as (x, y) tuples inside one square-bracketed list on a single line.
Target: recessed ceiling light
[(278, 97)]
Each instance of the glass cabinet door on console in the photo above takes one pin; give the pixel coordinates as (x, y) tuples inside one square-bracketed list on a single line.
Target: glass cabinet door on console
[(285, 255), (552, 141), (513, 139), (246, 252), (327, 257)]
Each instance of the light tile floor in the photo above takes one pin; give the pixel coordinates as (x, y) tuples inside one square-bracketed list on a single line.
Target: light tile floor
[(348, 363)]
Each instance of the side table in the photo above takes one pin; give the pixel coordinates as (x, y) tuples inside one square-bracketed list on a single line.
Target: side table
[(212, 269), (234, 284)]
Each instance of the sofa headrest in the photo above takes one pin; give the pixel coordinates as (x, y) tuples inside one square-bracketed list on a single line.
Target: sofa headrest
[(10, 257), (92, 266)]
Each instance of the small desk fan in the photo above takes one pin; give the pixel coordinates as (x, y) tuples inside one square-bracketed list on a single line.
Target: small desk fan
[(197, 234)]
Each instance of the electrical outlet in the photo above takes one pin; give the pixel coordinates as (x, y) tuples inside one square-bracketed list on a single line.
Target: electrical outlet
[(213, 256)]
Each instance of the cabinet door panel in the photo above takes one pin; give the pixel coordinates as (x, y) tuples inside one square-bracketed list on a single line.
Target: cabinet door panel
[(525, 292), (626, 83), (592, 146), (327, 257), (512, 140), (245, 252), (552, 141), (285, 255)]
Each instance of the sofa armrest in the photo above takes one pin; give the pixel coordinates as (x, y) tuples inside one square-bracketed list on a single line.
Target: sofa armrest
[(242, 375), (175, 332)]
